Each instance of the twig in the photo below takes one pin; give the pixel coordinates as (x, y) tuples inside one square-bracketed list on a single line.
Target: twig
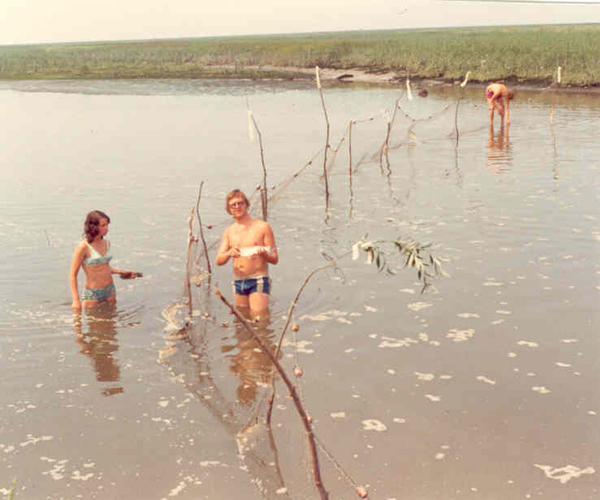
[(295, 301), (390, 123), (200, 228), (335, 152), (292, 390), (284, 329)]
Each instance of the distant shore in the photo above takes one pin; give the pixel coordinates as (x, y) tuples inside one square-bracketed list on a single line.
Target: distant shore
[(366, 76), (554, 56)]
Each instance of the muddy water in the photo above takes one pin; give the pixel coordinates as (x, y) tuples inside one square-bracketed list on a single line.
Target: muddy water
[(485, 386)]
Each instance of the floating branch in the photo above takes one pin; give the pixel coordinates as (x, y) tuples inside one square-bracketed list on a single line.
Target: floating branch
[(417, 256), (306, 420)]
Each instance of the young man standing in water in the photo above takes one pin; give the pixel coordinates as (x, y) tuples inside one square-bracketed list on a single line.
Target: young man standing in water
[(498, 98), (251, 245)]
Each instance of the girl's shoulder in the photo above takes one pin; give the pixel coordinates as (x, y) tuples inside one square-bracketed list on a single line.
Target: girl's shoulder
[(81, 250), (83, 245)]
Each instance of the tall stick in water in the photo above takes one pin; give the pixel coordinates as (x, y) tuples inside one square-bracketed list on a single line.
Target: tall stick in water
[(462, 86), (306, 421), (390, 123), (200, 226), (263, 191), (319, 86), (191, 241), (350, 163)]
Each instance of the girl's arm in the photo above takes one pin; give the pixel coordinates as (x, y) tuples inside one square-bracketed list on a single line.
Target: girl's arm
[(124, 273), (78, 256)]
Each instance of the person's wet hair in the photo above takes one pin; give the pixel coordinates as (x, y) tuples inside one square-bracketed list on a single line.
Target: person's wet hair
[(91, 226)]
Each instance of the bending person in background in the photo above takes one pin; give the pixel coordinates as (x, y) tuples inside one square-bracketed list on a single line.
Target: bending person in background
[(93, 254), (498, 98), (251, 245)]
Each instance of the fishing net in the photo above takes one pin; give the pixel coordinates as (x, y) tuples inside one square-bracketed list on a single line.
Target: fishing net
[(220, 362)]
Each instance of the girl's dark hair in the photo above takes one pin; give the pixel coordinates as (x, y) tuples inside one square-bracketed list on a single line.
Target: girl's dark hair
[(92, 223)]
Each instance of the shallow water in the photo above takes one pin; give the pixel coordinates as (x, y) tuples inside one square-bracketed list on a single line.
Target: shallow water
[(485, 386)]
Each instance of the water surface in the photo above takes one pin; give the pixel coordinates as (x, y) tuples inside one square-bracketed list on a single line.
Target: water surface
[(485, 386)]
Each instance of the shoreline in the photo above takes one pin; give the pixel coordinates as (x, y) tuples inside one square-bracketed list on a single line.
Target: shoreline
[(360, 75), (347, 76)]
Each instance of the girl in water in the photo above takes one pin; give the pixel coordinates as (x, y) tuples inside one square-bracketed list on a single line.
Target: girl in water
[(93, 254)]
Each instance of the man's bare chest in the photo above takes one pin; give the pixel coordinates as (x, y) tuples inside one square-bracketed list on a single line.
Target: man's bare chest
[(244, 236)]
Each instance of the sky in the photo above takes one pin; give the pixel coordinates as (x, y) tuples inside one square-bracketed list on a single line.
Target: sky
[(50, 21)]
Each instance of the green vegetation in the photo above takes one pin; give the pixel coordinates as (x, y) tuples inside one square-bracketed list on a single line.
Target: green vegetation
[(523, 54)]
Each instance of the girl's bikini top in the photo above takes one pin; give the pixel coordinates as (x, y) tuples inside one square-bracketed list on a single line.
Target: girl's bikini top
[(95, 258)]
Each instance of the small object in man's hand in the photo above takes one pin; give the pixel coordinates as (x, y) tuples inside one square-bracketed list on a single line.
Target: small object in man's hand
[(129, 275)]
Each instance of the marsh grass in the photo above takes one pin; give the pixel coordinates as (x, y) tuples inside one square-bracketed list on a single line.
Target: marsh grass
[(523, 54)]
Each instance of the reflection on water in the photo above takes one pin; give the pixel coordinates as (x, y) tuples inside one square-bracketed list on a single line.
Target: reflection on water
[(99, 342), (499, 158), (251, 365), (188, 356)]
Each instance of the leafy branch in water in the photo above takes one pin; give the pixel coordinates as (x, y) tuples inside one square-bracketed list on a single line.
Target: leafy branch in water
[(418, 255)]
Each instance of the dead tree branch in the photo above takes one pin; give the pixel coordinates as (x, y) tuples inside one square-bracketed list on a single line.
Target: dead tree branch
[(306, 420)]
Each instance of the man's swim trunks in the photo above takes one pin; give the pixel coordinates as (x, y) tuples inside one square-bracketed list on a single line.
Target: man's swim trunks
[(246, 286), (99, 294), (489, 94)]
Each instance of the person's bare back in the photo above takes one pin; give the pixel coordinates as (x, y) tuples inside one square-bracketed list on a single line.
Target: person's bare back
[(498, 97)]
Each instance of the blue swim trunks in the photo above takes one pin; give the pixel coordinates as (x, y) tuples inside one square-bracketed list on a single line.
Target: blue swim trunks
[(246, 286), (99, 294)]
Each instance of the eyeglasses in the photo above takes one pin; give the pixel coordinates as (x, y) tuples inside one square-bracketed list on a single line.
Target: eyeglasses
[(236, 204)]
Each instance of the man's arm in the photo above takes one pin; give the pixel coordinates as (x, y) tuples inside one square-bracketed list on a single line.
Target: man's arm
[(226, 251), (271, 257)]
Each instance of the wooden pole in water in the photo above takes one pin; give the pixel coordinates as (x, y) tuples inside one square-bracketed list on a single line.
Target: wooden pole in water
[(263, 191), (319, 86), (187, 264), (201, 231)]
